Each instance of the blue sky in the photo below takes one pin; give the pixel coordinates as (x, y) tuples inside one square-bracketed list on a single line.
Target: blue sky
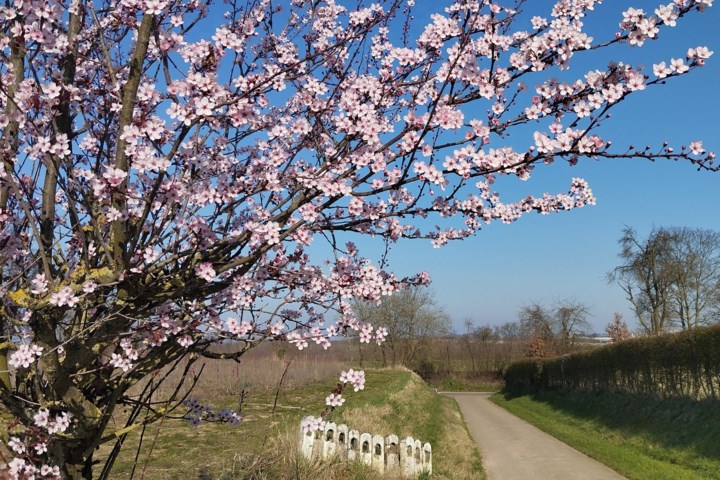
[(567, 255)]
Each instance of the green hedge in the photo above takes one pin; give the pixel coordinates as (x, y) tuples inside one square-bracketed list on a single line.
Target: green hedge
[(683, 364)]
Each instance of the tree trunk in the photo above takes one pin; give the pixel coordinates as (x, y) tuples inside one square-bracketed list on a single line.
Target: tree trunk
[(76, 467)]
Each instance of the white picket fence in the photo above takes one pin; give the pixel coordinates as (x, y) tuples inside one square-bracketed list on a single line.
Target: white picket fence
[(388, 455)]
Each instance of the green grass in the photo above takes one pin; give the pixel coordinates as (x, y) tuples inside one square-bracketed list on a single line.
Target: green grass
[(264, 446), (464, 380), (458, 384), (640, 437)]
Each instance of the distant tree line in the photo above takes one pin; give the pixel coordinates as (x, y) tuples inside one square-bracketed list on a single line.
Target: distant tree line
[(671, 278)]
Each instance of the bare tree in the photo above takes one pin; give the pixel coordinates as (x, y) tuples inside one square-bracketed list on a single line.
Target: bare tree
[(570, 318), (672, 277), (487, 336), (508, 331), (412, 318), (647, 274), (696, 293), (536, 321), (553, 329), (469, 330)]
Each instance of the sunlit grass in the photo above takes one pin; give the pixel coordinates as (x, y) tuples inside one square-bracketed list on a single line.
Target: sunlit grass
[(640, 437)]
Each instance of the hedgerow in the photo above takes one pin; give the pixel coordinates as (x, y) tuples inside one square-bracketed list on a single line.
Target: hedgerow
[(685, 364)]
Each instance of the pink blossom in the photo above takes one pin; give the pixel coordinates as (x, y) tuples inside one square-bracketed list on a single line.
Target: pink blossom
[(354, 377), (699, 53), (114, 176), (668, 14), (206, 271), (696, 148), (206, 187), (582, 109), (42, 417), (661, 70), (312, 424), (24, 356), (380, 335), (277, 328), (294, 338), (52, 90), (155, 7), (60, 423), (120, 361), (16, 466), (678, 65), (636, 81), (50, 471), (16, 445), (39, 284), (538, 22), (64, 296), (334, 400)]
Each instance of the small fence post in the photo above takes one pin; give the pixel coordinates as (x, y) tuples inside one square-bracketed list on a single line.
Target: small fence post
[(329, 441), (318, 444), (366, 448), (427, 449), (378, 453), (353, 445), (307, 440), (392, 454), (342, 441), (419, 457), (407, 456)]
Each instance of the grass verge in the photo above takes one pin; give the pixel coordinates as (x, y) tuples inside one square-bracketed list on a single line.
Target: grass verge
[(264, 446), (642, 438)]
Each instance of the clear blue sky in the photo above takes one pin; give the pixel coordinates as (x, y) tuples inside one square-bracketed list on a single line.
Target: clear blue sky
[(542, 258)]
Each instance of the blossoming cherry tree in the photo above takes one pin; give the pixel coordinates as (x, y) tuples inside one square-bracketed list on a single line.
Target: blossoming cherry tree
[(166, 166)]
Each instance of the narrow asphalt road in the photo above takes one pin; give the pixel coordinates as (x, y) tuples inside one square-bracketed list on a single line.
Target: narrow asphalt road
[(512, 449)]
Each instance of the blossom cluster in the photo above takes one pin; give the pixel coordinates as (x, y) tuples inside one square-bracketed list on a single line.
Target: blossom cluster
[(21, 469), (31, 447), (124, 361), (53, 424), (24, 356), (356, 378)]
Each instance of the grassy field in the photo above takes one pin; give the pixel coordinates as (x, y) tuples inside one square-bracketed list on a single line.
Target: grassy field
[(264, 446), (639, 437)]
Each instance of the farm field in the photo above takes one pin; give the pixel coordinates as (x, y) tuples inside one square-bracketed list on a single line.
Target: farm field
[(264, 446), (640, 437)]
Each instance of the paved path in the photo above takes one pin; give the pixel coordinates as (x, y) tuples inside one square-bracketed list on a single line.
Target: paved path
[(512, 449)]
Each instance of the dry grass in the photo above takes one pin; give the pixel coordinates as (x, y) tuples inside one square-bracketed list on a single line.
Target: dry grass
[(264, 446), (261, 369)]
